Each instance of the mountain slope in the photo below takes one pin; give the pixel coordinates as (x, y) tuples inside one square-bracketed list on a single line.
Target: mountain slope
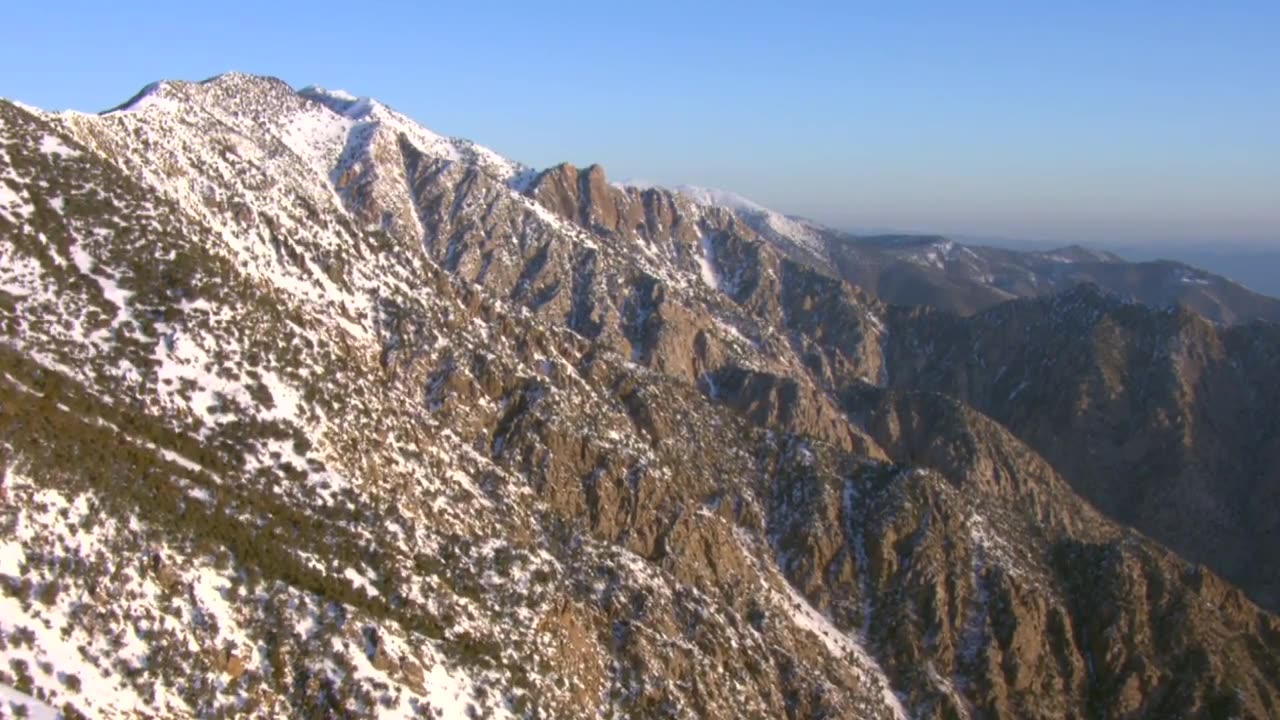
[(306, 410), (318, 498), (964, 279), (1161, 419)]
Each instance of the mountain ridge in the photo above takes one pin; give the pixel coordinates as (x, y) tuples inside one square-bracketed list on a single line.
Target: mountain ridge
[(355, 426), (921, 269)]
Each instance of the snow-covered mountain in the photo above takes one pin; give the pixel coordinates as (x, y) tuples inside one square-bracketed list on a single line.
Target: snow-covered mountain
[(308, 411)]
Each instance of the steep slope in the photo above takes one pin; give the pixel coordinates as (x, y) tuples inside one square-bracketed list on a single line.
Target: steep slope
[(1163, 420), (306, 410), (321, 476)]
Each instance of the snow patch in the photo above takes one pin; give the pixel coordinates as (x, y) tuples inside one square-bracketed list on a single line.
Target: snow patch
[(11, 700), (719, 198), (151, 98), (707, 262), (53, 145), (839, 644), (13, 204)]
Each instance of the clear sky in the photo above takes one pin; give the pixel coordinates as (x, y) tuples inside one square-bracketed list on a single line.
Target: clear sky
[(1099, 122)]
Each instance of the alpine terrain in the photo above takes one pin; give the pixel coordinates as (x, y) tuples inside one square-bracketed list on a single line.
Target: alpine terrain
[(308, 411)]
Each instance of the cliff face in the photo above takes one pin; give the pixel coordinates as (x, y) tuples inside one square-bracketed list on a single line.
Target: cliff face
[(306, 410)]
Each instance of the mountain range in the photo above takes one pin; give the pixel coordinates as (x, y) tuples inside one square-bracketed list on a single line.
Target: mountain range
[(308, 411), (964, 278)]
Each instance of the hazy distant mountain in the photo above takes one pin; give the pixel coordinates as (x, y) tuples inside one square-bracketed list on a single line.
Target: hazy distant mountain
[(922, 270), (1257, 268), (308, 411)]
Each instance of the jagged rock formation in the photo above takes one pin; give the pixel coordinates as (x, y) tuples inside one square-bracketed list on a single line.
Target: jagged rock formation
[(307, 411)]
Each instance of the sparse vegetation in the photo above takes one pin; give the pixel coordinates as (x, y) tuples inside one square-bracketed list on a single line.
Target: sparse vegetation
[(261, 458)]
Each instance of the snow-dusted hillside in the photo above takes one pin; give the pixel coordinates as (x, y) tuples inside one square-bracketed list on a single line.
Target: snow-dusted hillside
[(307, 411), (198, 302)]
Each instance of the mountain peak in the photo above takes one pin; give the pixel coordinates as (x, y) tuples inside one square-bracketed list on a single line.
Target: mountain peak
[(236, 77), (722, 198), (143, 98), (795, 236), (339, 101), (167, 94)]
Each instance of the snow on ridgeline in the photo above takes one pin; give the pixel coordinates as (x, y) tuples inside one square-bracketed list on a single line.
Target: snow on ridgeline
[(772, 225), (839, 644), (370, 111), (351, 111)]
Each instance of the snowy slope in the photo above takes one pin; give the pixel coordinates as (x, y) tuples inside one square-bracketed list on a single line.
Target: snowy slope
[(209, 312), (307, 410)]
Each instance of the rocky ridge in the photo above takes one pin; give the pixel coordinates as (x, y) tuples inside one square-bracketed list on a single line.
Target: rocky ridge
[(964, 278), (354, 419)]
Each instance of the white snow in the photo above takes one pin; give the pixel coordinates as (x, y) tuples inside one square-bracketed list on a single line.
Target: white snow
[(11, 555), (336, 94), (719, 198), (53, 145), (111, 289), (41, 522), (773, 225), (707, 263), (839, 644), (11, 700), (318, 137), (876, 322), (13, 204), (1192, 277), (152, 98)]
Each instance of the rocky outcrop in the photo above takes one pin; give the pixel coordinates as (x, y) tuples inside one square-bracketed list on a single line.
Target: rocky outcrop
[(982, 609)]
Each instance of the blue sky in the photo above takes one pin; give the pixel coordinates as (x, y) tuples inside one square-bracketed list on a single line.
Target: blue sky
[(1109, 123)]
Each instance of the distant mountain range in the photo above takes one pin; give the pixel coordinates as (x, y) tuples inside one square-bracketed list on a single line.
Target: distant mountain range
[(1255, 267)]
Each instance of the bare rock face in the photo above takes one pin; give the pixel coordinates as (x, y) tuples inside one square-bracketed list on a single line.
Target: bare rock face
[(984, 610), (229, 663), (411, 429)]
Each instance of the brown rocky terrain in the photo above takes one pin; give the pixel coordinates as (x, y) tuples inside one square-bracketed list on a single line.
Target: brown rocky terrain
[(357, 421), (1163, 420)]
